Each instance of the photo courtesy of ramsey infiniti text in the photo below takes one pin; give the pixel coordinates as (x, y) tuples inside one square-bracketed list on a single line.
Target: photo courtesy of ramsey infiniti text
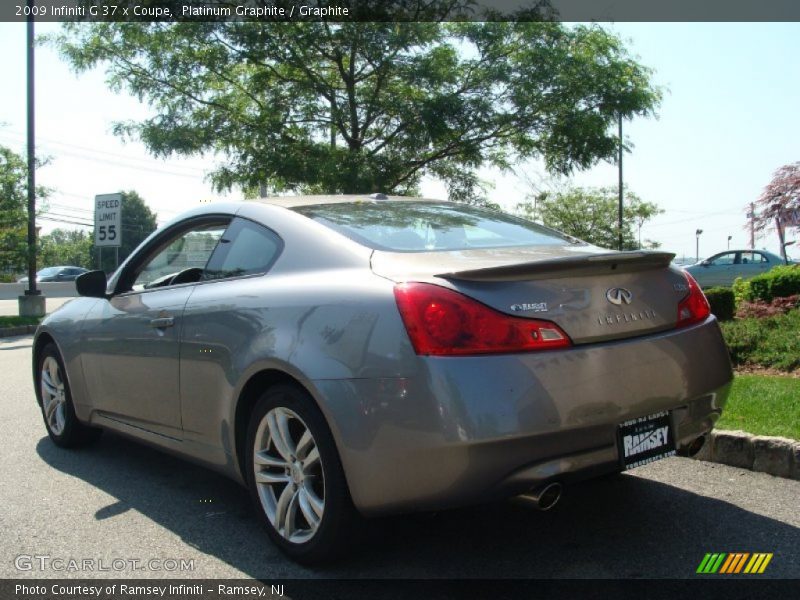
[(354, 356)]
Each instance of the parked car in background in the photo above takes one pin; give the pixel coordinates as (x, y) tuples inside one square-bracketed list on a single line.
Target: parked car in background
[(351, 354), (65, 273), (723, 268), (683, 262)]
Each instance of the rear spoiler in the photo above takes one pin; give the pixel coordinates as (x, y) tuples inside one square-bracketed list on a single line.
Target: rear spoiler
[(568, 266)]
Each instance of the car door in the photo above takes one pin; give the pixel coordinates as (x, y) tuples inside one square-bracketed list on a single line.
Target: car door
[(762, 262), (747, 267), (720, 270), (225, 319), (132, 340)]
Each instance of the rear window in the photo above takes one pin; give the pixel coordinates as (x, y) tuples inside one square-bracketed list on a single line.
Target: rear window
[(404, 226)]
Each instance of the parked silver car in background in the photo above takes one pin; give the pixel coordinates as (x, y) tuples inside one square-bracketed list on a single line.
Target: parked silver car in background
[(722, 269), (354, 355), (66, 273)]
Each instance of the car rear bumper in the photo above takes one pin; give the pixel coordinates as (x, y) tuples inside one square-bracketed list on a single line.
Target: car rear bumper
[(467, 429)]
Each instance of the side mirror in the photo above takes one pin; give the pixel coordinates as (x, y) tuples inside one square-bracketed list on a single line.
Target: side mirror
[(92, 284), (705, 263)]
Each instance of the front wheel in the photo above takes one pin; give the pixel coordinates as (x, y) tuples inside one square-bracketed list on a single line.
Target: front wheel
[(58, 412), (295, 477)]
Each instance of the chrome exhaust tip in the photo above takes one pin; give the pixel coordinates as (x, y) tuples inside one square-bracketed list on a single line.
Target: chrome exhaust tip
[(545, 497)]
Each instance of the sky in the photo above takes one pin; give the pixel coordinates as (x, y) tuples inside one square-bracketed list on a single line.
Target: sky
[(728, 120)]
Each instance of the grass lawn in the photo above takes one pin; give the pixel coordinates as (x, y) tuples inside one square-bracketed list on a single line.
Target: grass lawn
[(16, 321), (764, 405)]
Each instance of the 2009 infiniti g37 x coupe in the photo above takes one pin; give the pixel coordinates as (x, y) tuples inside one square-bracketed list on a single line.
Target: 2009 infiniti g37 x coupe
[(352, 354)]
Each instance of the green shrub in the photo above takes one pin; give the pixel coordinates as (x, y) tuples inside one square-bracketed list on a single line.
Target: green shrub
[(769, 342), (722, 302), (778, 282), (742, 291)]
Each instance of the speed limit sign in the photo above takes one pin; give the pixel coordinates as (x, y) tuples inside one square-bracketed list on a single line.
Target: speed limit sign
[(108, 220)]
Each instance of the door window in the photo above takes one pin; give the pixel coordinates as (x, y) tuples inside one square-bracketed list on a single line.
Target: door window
[(182, 260), (726, 259)]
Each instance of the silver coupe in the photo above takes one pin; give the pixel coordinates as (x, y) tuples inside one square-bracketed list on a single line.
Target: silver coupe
[(352, 356)]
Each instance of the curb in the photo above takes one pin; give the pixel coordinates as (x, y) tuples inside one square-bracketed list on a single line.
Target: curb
[(18, 330), (773, 455)]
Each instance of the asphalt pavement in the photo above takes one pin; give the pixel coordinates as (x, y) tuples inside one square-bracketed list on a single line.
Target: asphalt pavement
[(133, 511)]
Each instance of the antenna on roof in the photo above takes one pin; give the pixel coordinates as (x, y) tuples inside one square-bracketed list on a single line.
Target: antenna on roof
[(379, 196)]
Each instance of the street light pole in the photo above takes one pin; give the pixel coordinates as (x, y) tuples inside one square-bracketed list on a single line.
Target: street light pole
[(697, 244), (729, 241)]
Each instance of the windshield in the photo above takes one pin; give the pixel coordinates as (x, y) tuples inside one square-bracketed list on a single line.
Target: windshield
[(408, 226)]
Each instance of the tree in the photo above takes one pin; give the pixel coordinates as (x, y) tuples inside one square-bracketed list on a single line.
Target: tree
[(370, 106), (778, 201), (138, 221), (592, 214), (14, 211), (66, 247)]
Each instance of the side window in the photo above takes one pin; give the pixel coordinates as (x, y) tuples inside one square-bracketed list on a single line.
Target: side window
[(724, 259), (182, 259), (760, 258), (246, 249)]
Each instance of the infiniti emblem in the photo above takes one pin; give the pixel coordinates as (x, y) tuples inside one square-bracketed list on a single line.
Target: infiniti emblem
[(619, 296)]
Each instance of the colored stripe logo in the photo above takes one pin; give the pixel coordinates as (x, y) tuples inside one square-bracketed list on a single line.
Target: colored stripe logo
[(731, 563)]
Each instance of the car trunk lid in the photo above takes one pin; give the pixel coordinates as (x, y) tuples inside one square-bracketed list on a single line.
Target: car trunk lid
[(593, 295)]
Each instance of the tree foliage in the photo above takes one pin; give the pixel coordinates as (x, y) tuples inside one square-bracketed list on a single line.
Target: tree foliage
[(66, 247), (592, 214), (14, 211), (138, 221), (357, 107), (780, 196)]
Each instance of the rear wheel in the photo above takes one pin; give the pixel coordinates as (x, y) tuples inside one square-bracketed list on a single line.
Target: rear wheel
[(295, 477), (58, 412)]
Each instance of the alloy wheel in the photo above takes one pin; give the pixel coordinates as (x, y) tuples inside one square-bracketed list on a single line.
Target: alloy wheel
[(288, 475), (54, 395)]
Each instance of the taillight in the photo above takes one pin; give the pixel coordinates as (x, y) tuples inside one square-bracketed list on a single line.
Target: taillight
[(694, 307), (441, 322)]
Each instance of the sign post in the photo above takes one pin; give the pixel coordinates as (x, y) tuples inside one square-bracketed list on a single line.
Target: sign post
[(107, 223)]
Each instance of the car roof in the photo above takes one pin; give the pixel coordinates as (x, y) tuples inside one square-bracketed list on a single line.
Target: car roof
[(295, 201), (743, 250)]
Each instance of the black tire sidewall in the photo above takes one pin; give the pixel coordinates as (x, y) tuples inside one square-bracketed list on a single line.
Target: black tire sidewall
[(338, 516)]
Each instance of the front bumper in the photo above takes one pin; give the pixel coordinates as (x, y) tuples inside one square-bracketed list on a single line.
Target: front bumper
[(467, 429)]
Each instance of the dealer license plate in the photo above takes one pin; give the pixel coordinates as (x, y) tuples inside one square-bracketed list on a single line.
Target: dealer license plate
[(646, 439)]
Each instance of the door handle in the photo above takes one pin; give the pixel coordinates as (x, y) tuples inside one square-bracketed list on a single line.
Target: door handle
[(162, 322)]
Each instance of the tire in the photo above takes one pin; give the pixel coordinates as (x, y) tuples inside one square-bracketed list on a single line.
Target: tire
[(55, 402), (297, 482)]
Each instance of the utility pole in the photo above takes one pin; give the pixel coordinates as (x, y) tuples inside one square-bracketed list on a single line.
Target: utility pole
[(31, 291), (619, 224), (752, 225), (32, 302)]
